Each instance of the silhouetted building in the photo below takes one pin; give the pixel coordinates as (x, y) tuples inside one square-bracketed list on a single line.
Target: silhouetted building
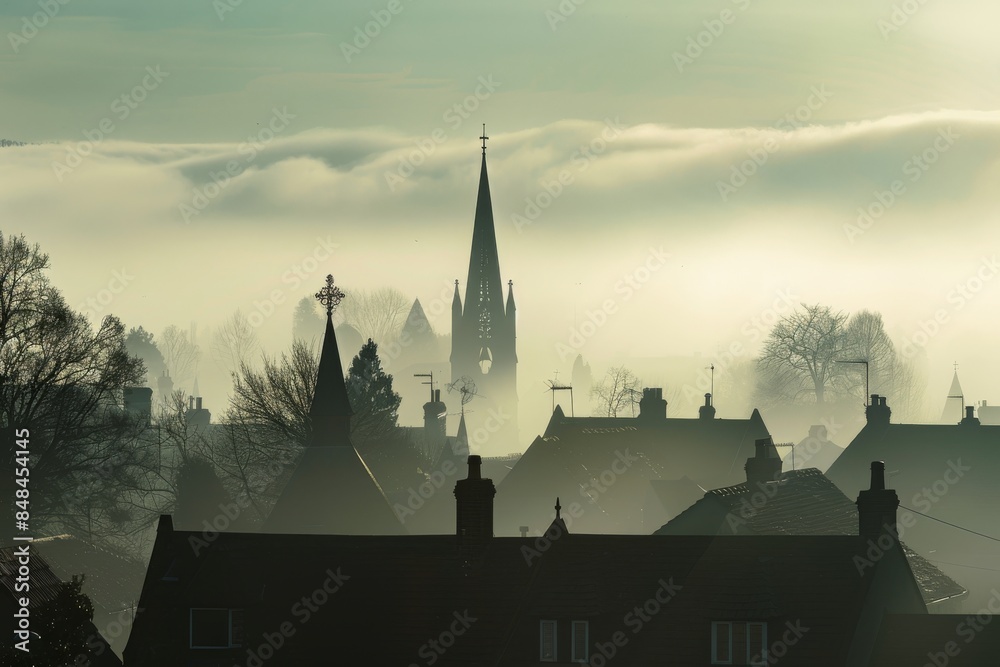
[(988, 414), (582, 382), (815, 451), (953, 403), (332, 490), (607, 463), (139, 402), (483, 332), (563, 598), (805, 502), (947, 472), (936, 639), (197, 417)]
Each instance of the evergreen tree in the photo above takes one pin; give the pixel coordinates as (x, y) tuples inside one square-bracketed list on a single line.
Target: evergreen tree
[(307, 323), (375, 404), (139, 343), (65, 633)]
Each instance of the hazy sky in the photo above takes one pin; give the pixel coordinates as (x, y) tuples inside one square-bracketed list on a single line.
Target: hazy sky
[(740, 138)]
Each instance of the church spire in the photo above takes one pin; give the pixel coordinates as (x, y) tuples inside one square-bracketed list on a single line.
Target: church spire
[(331, 410), (483, 290)]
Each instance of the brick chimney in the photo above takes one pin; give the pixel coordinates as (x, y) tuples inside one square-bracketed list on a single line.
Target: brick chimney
[(707, 411), (435, 423), (652, 406), (877, 507), (474, 502), (197, 417), (970, 417), (878, 412), (764, 466)]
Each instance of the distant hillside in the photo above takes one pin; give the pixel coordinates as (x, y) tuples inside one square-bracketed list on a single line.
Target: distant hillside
[(5, 143)]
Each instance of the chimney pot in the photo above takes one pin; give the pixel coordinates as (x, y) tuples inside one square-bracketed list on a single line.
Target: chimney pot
[(878, 476), (475, 466), (198, 403)]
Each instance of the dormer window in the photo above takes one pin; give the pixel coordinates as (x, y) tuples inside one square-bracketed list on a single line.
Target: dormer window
[(547, 641), (581, 641), (739, 643)]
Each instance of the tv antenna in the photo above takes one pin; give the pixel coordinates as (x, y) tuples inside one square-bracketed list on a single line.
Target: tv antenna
[(554, 386)]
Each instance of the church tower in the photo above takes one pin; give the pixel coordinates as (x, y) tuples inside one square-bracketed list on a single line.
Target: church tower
[(483, 336)]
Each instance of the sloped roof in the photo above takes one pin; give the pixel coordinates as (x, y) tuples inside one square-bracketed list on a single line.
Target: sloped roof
[(43, 581), (813, 451), (802, 502), (112, 582), (332, 491), (578, 456), (425, 583)]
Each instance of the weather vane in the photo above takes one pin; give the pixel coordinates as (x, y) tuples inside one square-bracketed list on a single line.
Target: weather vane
[(484, 138), (330, 296)]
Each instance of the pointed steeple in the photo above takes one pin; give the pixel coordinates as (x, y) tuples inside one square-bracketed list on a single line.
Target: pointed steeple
[(332, 491), (462, 437), (954, 402), (331, 409), (483, 290)]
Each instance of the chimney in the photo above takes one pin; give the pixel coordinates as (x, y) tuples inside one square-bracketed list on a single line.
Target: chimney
[(878, 412), (764, 466), (474, 502), (707, 411), (435, 424), (970, 417), (652, 407), (165, 386), (877, 507), (197, 417), (139, 402)]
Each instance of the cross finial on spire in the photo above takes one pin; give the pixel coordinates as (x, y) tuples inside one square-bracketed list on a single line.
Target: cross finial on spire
[(330, 296), (956, 366), (484, 138), (558, 507)]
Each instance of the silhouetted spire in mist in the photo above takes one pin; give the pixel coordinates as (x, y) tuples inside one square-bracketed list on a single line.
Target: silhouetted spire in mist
[(331, 409)]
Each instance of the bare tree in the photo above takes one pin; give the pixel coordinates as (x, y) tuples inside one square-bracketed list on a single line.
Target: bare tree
[(799, 354), (180, 354), (377, 314), (61, 384), (235, 343), (617, 392)]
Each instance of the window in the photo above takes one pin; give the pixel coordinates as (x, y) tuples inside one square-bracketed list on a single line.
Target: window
[(722, 643), (581, 640), (547, 649), (756, 643), (739, 643), (216, 628)]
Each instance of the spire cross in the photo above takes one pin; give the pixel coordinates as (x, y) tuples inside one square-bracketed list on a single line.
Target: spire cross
[(330, 296), (956, 366), (484, 138), (558, 507)]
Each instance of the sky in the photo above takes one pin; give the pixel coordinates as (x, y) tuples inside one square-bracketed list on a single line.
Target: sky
[(673, 173)]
